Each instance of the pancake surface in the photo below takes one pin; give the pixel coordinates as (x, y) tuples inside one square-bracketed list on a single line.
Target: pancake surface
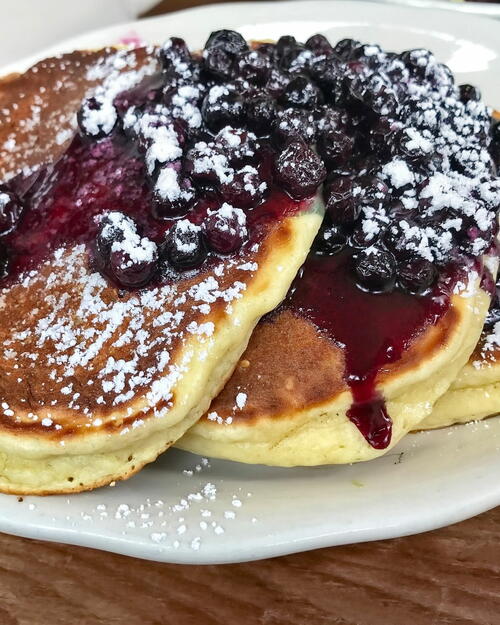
[(358, 354), (475, 393), (97, 379), (288, 402)]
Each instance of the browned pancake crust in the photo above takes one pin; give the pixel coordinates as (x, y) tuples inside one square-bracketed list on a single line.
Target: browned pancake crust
[(31, 386), (290, 366), (38, 106)]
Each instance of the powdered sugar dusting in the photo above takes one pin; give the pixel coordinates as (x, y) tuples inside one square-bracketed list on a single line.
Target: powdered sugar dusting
[(85, 350), (49, 93), (202, 511)]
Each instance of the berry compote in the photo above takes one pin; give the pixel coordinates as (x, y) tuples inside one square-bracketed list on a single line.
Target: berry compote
[(168, 176), (190, 166)]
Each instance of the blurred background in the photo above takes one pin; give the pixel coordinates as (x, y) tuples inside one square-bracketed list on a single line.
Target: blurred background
[(31, 25)]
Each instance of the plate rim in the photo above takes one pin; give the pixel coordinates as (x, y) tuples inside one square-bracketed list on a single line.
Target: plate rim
[(71, 43)]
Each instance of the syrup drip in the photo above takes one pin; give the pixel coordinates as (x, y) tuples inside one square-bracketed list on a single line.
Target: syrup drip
[(373, 330)]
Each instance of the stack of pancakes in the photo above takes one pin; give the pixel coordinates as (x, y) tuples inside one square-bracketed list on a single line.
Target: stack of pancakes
[(96, 382)]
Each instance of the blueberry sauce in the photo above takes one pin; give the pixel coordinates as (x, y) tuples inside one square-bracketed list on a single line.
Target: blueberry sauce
[(63, 201), (373, 331)]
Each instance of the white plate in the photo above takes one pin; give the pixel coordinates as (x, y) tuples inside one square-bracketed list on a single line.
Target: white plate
[(185, 509)]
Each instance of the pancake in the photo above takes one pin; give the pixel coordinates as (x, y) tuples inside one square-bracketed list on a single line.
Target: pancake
[(475, 393), (122, 310), (288, 402), (345, 368)]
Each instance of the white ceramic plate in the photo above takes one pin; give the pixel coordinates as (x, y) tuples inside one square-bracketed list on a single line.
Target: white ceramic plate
[(186, 509)]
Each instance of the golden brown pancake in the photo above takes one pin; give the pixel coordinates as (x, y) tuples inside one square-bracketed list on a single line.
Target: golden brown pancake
[(96, 381), (475, 393), (287, 402)]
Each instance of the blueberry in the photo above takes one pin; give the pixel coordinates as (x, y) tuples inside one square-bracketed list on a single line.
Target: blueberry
[(370, 191), (416, 275), (297, 59), (11, 210), (174, 92), (495, 132), (382, 135), (495, 139), (238, 145), (227, 110), (228, 40), (345, 47), (396, 71), (184, 247), (302, 93), (136, 267), (112, 228), (174, 53), (276, 82), (97, 117), (330, 240), (204, 161), (218, 63), (299, 170), (417, 61), (294, 123), (398, 211), (368, 53), (441, 76), (285, 44), (252, 66), (225, 230), (356, 69), (269, 50), (328, 73), (358, 90), (469, 93), (422, 113), (413, 145), (245, 190), (120, 251), (331, 118), (383, 101), (335, 147), (398, 239), (366, 165), (375, 269), (360, 238), (320, 45), (476, 241), (260, 112), (342, 208), (172, 195)]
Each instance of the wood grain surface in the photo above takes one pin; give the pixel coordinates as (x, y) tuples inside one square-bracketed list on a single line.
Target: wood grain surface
[(447, 577)]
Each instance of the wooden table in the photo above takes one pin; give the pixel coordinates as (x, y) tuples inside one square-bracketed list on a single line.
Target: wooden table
[(447, 577)]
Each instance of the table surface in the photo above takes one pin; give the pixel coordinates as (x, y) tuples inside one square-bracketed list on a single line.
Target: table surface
[(446, 577)]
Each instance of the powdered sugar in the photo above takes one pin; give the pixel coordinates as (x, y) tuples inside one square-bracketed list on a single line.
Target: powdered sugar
[(77, 323)]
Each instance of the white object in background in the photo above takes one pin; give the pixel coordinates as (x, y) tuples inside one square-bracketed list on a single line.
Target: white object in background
[(29, 25)]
